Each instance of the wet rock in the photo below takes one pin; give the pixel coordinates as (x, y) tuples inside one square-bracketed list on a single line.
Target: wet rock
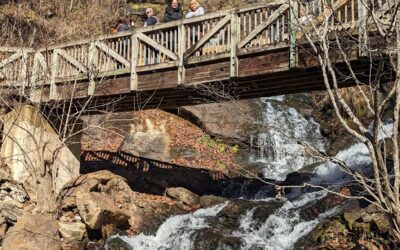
[(331, 200), (381, 223), (327, 235), (33, 232), (118, 244), (229, 216), (211, 200), (98, 210), (183, 195), (362, 228), (352, 217), (209, 238)]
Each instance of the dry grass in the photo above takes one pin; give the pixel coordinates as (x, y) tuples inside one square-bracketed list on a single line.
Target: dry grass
[(50, 21)]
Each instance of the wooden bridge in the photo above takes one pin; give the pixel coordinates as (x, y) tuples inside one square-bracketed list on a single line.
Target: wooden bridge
[(250, 52)]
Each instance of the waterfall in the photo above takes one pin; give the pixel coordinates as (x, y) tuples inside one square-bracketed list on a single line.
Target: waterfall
[(280, 146), (283, 227)]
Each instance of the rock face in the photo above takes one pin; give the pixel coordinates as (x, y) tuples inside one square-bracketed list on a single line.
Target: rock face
[(34, 232), (149, 140), (240, 119), (158, 135), (28, 135)]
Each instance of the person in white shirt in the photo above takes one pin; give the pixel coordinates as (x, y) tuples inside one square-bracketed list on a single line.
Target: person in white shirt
[(194, 9)]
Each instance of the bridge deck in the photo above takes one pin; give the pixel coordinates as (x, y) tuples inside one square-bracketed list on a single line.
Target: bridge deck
[(256, 51)]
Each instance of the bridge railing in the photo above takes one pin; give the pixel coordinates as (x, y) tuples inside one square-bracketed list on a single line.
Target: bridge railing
[(224, 34), (15, 64)]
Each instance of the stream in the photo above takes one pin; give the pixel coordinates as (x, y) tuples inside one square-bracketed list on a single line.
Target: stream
[(264, 222)]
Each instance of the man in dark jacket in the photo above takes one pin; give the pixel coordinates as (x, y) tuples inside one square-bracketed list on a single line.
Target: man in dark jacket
[(173, 12)]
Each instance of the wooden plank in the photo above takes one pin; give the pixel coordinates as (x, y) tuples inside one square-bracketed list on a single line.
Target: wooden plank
[(72, 60), (113, 53), (210, 72), (157, 67), (181, 48), (294, 15), (92, 67), (24, 71), (35, 68), (16, 49), (160, 80), (207, 37), (134, 61), (263, 64), (10, 59), (54, 71), (234, 41), (277, 13), (157, 46)]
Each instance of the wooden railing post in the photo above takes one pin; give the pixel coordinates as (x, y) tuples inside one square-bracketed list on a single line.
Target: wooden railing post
[(234, 44), (181, 52), (294, 22), (54, 71), (362, 27), (24, 71), (92, 63), (134, 59)]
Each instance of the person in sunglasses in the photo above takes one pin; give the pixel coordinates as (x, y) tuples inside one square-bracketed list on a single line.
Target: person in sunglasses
[(151, 18)]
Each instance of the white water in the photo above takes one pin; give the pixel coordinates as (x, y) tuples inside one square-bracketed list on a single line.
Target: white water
[(175, 232), (356, 157), (280, 147)]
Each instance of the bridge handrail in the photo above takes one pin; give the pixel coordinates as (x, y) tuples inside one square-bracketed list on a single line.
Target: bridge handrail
[(170, 44)]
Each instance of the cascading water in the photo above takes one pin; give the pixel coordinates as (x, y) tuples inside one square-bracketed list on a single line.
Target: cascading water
[(281, 144), (283, 224)]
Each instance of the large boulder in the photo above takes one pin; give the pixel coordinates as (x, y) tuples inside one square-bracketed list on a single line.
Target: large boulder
[(75, 230), (211, 200), (183, 195), (33, 232), (98, 210)]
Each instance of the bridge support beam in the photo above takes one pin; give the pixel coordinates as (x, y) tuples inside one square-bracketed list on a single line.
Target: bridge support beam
[(37, 156)]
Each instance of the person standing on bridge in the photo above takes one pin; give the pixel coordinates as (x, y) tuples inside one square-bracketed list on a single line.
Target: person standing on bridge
[(122, 25), (151, 54), (151, 18), (173, 12), (195, 9), (197, 31)]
